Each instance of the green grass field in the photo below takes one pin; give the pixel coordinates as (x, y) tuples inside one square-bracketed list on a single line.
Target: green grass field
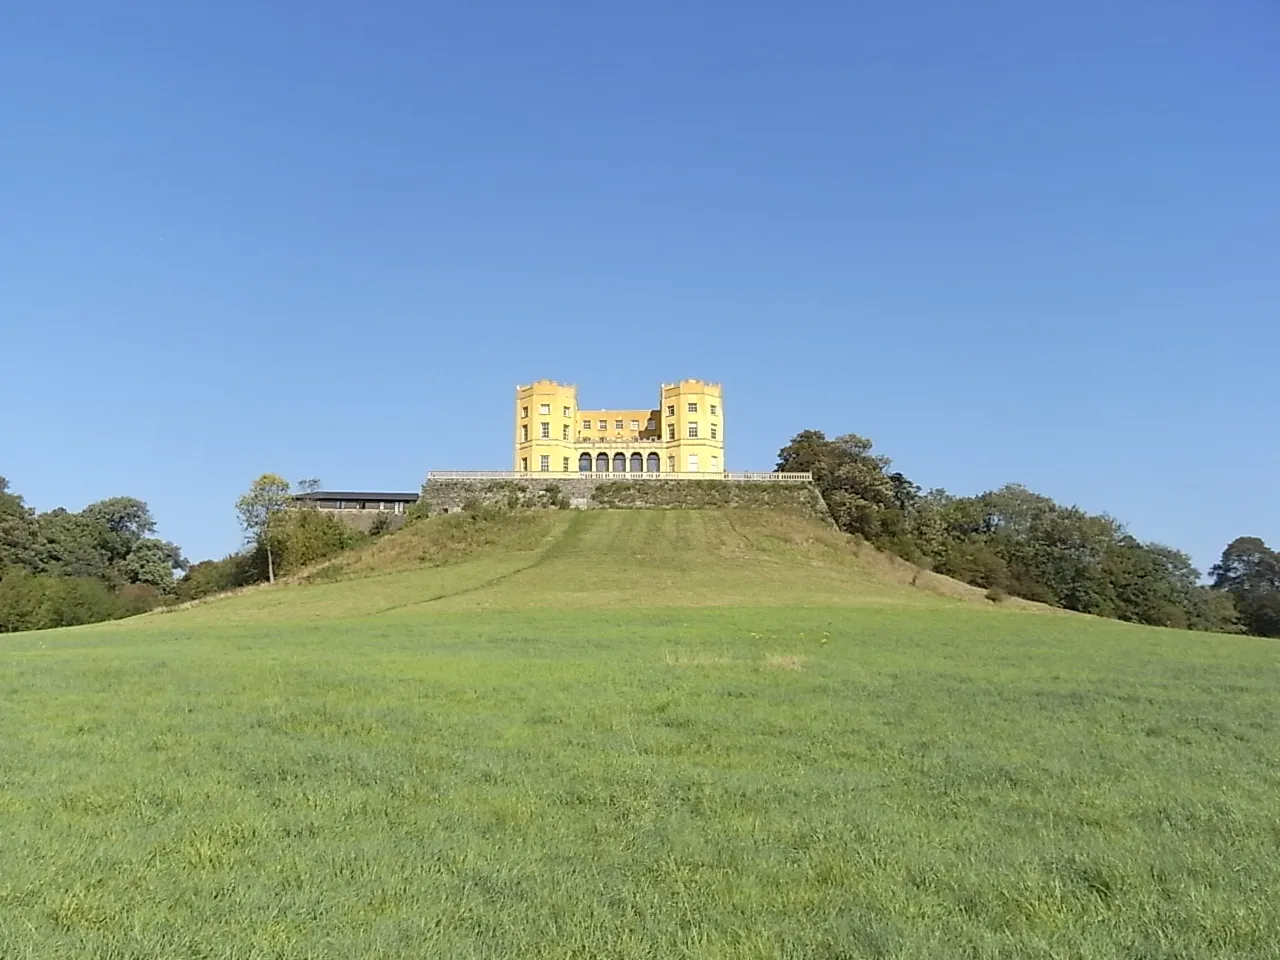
[(635, 734)]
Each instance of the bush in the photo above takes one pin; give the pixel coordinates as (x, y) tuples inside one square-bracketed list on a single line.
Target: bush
[(997, 595), (216, 576)]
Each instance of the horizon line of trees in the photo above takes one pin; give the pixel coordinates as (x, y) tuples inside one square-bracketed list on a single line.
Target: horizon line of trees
[(1012, 541)]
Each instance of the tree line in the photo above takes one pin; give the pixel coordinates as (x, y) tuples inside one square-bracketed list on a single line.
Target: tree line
[(60, 568), (1012, 541)]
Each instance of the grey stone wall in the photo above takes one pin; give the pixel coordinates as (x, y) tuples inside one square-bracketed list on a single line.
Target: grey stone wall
[(443, 496)]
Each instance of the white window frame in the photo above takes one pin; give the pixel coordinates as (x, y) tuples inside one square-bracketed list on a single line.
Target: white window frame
[(544, 409), (544, 430), (693, 463), (544, 463), (693, 430)]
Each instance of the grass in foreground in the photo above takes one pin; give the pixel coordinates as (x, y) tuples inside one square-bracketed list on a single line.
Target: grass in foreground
[(485, 776)]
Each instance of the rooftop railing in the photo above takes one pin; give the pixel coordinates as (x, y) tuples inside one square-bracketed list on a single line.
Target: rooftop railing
[(603, 475)]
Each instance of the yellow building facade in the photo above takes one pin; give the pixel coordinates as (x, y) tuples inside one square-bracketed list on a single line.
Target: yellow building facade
[(683, 434)]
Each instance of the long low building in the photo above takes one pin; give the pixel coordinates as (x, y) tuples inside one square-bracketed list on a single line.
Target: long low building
[(345, 500)]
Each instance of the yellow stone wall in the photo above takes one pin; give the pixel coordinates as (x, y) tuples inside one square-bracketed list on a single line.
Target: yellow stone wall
[(549, 424)]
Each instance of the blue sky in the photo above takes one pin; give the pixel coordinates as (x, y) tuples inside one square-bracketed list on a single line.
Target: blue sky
[(1008, 241)]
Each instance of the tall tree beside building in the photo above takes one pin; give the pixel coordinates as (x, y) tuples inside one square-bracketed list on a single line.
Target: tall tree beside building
[(259, 508)]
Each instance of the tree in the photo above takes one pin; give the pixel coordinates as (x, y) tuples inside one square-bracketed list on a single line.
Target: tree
[(125, 520), (1249, 570), (153, 562), (258, 508), (852, 480)]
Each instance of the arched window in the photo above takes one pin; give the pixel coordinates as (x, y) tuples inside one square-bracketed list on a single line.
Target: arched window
[(655, 463), (637, 463), (619, 463), (584, 463), (602, 463)]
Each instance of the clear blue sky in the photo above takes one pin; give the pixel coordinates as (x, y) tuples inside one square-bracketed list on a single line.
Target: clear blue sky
[(1008, 241)]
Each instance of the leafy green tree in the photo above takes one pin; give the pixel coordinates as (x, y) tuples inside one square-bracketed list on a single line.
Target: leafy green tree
[(259, 509), (1249, 570), (153, 562), (120, 523), (852, 480), (73, 545)]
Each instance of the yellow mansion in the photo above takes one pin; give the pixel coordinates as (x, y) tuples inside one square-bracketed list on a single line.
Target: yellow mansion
[(683, 434)]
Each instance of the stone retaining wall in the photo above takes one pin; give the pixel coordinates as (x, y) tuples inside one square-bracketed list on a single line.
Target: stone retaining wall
[(442, 496)]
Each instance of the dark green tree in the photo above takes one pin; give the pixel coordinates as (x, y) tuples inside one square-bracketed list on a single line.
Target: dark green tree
[(1249, 570)]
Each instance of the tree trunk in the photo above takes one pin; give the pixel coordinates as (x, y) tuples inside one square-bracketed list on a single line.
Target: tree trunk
[(271, 569)]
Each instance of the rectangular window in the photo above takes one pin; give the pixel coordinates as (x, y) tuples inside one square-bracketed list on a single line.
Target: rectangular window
[(651, 425), (617, 424), (671, 410), (715, 464), (524, 464), (713, 409), (693, 463), (568, 413), (545, 409), (565, 431), (671, 431), (544, 463), (524, 411), (671, 464), (714, 431), (693, 408), (546, 431), (604, 424), (693, 431), (635, 426), (586, 424), (524, 433), (565, 465)]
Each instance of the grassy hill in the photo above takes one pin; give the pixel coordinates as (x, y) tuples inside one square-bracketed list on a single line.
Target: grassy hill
[(596, 558), (635, 734)]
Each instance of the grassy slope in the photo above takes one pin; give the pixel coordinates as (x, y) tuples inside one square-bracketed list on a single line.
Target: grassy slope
[(555, 745)]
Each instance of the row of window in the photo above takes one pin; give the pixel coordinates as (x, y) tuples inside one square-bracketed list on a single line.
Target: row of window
[(545, 430), (567, 412), (693, 408), (395, 506), (619, 463), (617, 425), (693, 431), (545, 410)]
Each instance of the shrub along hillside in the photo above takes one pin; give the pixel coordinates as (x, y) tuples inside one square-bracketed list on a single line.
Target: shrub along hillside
[(1014, 541)]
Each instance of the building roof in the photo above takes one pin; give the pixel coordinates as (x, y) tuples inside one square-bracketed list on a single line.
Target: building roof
[(356, 495)]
